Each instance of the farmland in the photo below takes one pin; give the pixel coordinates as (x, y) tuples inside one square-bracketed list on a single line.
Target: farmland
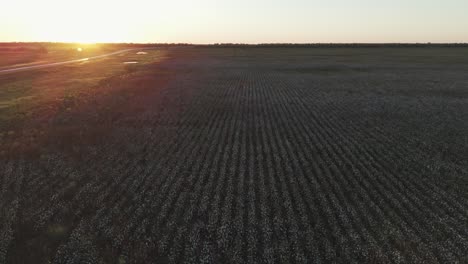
[(238, 155)]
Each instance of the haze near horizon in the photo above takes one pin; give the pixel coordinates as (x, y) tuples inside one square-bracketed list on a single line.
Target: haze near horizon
[(242, 21)]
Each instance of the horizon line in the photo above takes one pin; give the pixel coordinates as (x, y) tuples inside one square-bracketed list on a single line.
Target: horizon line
[(240, 43)]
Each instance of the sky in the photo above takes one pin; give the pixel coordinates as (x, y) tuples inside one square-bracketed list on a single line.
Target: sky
[(239, 21)]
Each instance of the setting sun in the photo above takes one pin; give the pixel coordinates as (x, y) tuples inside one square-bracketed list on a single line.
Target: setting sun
[(58, 21), (208, 21)]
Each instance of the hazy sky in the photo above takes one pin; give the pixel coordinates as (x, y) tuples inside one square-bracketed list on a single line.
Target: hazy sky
[(247, 21)]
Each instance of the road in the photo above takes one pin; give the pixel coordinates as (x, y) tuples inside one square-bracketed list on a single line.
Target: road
[(47, 65)]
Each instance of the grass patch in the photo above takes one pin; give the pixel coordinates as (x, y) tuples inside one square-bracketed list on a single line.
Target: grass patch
[(57, 231), (74, 105), (58, 89)]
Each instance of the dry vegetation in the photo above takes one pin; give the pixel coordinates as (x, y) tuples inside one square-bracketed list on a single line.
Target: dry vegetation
[(238, 155), (24, 54)]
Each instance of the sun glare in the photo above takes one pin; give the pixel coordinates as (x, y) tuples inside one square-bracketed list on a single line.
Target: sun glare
[(88, 22), (79, 49)]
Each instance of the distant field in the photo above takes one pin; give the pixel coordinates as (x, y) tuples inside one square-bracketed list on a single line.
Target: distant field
[(237, 155), (21, 54), (27, 93)]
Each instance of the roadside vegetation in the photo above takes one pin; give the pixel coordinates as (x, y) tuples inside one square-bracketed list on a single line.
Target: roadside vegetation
[(44, 99)]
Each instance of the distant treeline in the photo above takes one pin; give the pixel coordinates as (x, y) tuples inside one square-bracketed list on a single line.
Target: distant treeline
[(340, 45), (41, 46), (21, 47), (300, 45)]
